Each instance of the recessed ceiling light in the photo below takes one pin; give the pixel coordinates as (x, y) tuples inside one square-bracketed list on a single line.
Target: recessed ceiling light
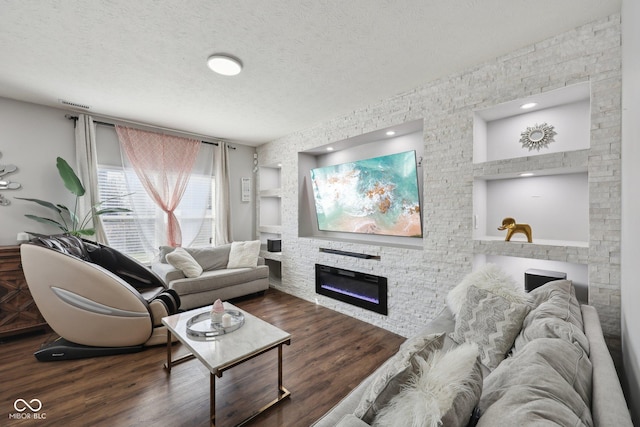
[(225, 65), (391, 132), (329, 148), (528, 105), (527, 174)]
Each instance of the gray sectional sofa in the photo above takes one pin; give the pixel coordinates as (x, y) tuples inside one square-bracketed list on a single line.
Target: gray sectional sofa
[(215, 281), (556, 371)]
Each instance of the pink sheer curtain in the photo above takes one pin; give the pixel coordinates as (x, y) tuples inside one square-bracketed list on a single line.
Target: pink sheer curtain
[(163, 164)]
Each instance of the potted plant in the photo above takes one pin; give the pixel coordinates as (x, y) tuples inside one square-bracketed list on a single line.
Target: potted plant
[(69, 222)]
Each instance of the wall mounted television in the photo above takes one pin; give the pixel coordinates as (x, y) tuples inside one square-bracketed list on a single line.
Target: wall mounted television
[(379, 195)]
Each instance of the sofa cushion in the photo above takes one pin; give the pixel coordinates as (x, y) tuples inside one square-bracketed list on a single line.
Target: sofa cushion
[(549, 382), (443, 391), (443, 322), (209, 258), (491, 278), (218, 279), (244, 254), (393, 375), (541, 326), (180, 259), (491, 321), (558, 299), (350, 420)]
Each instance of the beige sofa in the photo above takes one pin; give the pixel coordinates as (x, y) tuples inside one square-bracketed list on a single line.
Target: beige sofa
[(216, 280), (558, 371)]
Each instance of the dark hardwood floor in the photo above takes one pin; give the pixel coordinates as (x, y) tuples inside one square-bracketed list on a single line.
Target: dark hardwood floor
[(330, 353)]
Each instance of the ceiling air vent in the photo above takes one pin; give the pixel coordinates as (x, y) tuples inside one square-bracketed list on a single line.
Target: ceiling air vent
[(74, 104)]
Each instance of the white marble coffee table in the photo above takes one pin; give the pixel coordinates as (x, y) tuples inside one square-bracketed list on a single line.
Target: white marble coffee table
[(224, 352)]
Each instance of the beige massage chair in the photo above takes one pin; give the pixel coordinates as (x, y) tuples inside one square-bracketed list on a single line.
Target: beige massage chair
[(97, 299)]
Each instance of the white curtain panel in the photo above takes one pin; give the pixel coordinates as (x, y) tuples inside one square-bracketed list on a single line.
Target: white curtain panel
[(87, 171), (223, 207), (193, 206)]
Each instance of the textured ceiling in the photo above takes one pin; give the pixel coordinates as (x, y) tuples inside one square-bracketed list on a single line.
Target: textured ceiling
[(305, 60)]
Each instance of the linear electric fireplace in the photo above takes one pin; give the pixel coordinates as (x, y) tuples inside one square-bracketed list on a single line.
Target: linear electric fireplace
[(359, 289)]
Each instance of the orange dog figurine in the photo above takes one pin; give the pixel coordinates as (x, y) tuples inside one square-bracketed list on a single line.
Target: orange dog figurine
[(512, 228)]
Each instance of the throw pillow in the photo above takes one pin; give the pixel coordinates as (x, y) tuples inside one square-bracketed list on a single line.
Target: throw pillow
[(548, 383), (491, 321), (443, 392), (558, 299), (391, 376), (181, 260), (491, 278), (350, 420), (244, 254)]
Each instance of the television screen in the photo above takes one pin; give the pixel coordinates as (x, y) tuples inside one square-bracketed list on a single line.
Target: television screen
[(372, 196)]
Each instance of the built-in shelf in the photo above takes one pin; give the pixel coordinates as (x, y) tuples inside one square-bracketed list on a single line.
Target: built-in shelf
[(547, 188), (269, 203), (272, 229), (274, 256), (271, 192), (554, 250), (497, 130), (545, 164)]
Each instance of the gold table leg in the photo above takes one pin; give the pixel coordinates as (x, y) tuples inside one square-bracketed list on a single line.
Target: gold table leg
[(212, 402), (283, 393), (170, 363)]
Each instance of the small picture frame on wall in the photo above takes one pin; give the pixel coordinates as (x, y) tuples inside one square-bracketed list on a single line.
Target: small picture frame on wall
[(246, 189)]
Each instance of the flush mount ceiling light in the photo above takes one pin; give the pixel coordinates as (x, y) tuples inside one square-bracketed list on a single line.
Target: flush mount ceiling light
[(225, 65), (528, 105)]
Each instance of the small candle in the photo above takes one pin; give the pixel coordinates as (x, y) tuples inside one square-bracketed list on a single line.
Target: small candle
[(226, 320)]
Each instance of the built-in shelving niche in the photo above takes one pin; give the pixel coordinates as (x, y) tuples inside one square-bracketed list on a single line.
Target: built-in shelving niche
[(270, 206), (547, 189), (408, 136)]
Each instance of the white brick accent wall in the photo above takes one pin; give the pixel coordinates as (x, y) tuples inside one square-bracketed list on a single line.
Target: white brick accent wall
[(418, 280)]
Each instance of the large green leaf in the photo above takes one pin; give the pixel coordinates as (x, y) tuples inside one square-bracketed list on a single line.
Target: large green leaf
[(72, 215), (42, 203), (111, 210), (47, 221), (69, 177), (85, 232)]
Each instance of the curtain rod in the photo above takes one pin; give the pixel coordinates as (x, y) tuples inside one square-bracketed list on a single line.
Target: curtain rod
[(98, 122)]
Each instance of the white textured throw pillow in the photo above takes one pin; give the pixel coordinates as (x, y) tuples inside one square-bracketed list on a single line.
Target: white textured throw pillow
[(490, 278), (492, 322), (244, 254), (182, 260), (443, 391)]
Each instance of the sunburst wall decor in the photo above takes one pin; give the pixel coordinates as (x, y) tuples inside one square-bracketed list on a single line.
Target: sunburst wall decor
[(537, 137)]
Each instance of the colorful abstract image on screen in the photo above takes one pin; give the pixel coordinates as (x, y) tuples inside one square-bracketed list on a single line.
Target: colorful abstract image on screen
[(372, 196)]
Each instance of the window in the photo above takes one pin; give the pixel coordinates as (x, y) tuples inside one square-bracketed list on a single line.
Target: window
[(123, 229)]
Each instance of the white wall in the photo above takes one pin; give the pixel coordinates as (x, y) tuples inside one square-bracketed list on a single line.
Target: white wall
[(243, 222), (32, 136), (631, 204)]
